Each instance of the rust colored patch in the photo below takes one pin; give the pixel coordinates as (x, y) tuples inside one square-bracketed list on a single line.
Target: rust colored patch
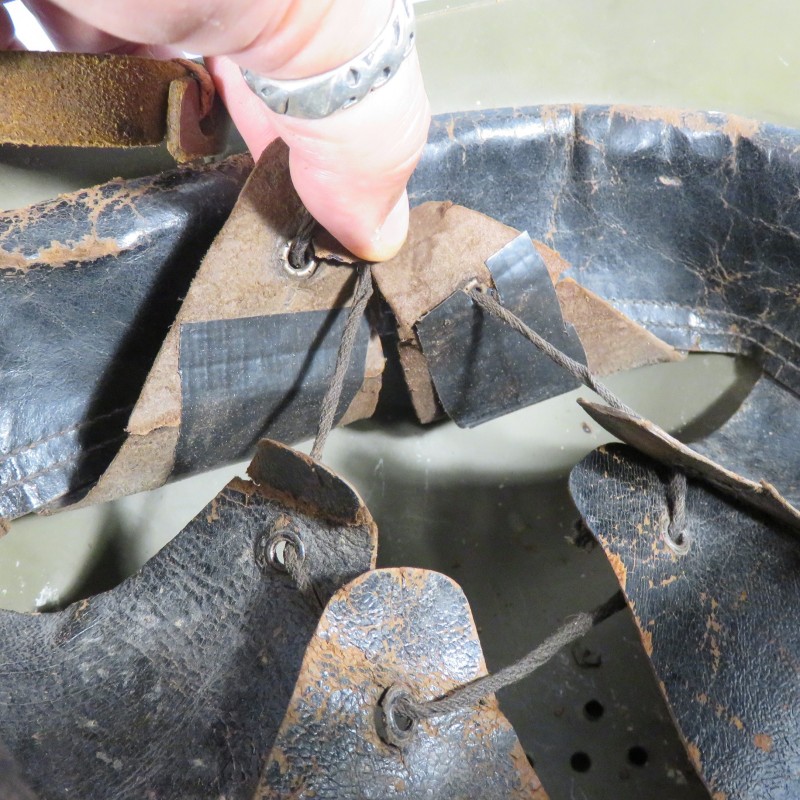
[(213, 512), (647, 639), (612, 341), (59, 254), (620, 570), (763, 742), (733, 127), (694, 755)]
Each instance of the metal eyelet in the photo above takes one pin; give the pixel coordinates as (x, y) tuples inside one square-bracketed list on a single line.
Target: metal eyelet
[(299, 259), (679, 542), (395, 727), (270, 549)]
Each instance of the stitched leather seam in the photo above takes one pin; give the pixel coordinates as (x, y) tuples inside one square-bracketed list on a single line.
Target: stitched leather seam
[(736, 334), (749, 322), (51, 437), (53, 467)]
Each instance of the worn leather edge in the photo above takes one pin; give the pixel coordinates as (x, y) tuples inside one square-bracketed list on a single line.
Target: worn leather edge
[(732, 694), (142, 463), (298, 481), (658, 444), (447, 247), (102, 100)]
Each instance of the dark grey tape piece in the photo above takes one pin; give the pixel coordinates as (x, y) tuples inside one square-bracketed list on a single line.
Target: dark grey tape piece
[(481, 368), (242, 379)]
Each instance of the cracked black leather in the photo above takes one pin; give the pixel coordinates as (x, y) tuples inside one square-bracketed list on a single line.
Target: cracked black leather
[(719, 623), (482, 369), (90, 283), (386, 628), (174, 684), (11, 785), (688, 224)]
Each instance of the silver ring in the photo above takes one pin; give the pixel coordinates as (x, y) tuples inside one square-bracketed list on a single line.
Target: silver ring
[(343, 87)]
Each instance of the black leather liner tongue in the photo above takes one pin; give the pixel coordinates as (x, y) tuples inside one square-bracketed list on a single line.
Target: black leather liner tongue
[(719, 623), (392, 628), (175, 683)]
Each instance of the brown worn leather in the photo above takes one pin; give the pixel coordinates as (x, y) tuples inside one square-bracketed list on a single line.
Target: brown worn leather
[(83, 100), (447, 246)]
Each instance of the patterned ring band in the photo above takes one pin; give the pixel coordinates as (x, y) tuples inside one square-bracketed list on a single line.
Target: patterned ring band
[(343, 87)]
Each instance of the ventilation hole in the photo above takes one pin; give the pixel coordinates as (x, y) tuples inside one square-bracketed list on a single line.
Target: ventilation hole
[(637, 756), (387, 71), (353, 77), (593, 710), (580, 762)]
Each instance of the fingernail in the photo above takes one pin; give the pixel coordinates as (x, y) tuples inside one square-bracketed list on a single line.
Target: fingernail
[(389, 238)]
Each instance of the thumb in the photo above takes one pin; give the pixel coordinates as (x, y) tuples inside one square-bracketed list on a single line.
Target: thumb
[(350, 169)]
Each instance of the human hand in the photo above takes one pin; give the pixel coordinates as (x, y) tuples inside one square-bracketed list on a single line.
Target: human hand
[(350, 169)]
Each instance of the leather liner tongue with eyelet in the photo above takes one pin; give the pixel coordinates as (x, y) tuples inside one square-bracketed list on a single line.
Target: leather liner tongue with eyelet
[(175, 683), (389, 627)]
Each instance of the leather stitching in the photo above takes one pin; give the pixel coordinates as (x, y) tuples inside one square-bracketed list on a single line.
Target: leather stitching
[(53, 467), (64, 432)]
